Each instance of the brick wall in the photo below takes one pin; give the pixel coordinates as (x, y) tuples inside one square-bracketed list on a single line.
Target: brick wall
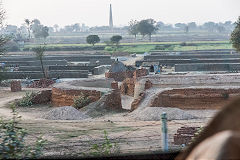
[(137, 101), (119, 76), (140, 73), (113, 100), (63, 97), (127, 87), (195, 98)]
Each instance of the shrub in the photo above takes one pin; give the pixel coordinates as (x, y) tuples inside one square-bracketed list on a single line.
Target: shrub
[(12, 145), (104, 149), (26, 101), (81, 101)]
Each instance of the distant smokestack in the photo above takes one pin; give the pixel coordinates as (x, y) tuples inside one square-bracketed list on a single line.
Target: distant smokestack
[(111, 18)]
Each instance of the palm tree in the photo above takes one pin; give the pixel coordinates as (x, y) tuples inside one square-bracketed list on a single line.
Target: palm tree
[(40, 54), (28, 22)]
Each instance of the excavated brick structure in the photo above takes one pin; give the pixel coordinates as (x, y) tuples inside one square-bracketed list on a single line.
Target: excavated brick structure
[(199, 98), (16, 86), (65, 97)]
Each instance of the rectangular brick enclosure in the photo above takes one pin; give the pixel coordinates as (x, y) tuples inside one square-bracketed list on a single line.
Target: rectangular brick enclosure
[(200, 98)]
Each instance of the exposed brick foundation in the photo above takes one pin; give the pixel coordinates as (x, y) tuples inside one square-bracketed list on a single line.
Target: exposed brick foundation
[(65, 97), (16, 86), (185, 135), (204, 98)]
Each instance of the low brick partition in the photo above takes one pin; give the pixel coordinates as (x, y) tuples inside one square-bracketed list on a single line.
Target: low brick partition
[(16, 86), (185, 135), (199, 98)]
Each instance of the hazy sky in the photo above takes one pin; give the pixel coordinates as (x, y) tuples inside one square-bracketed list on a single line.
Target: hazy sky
[(96, 12)]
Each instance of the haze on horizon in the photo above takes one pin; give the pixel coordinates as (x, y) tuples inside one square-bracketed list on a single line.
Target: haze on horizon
[(96, 12)]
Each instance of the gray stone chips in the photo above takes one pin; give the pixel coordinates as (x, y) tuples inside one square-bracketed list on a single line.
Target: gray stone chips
[(65, 113)]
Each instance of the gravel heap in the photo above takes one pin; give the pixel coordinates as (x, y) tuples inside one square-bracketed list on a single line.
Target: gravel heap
[(154, 114), (65, 113)]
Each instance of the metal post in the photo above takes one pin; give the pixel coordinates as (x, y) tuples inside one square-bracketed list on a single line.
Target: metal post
[(164, 132)]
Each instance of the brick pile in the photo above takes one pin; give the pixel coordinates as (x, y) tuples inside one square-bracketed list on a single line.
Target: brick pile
[(65, 97), (204, 98), (42, 83), (137, 101), (185, 135), (16, 86)]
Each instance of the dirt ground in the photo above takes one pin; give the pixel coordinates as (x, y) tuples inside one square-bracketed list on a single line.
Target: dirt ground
[(65, 137)]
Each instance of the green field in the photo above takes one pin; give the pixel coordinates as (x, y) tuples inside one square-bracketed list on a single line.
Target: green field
[(141, 47)]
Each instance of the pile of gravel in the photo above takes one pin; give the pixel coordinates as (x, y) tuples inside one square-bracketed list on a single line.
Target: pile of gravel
[(65, 113), (154, 114)]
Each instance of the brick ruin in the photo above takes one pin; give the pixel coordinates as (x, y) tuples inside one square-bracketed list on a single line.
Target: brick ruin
[(121, 76), (185, 135), (199, 98), (16, 86), (64, 96)]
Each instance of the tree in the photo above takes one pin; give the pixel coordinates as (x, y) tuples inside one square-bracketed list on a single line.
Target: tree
[(28, 23), (235, 36), (39, 30), (92, 39), (147, 27), (133, 28), (116, 39), (40, 54)]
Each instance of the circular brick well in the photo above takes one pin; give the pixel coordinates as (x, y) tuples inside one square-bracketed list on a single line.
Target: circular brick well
[(196, 98)]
